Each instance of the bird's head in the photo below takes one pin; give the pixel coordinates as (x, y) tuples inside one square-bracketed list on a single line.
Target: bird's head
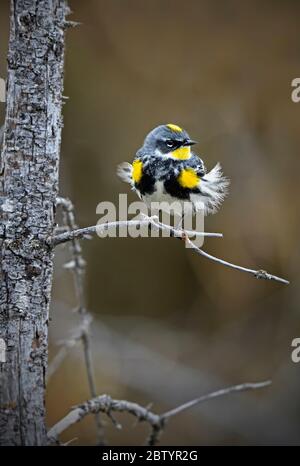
[(169, 141)]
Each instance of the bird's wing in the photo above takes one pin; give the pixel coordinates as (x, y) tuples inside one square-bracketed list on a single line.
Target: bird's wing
[(124, 172), (198, 165)]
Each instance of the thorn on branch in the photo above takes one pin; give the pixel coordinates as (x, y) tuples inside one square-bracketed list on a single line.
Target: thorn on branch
[(113, 420)]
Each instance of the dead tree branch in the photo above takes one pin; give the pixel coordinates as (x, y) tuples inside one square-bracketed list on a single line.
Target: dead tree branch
[(157, 422), (259, 274), (177, 233), (85, 233), (78, 266)]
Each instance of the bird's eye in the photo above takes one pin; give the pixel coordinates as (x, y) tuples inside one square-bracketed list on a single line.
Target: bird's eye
[(170, 143)]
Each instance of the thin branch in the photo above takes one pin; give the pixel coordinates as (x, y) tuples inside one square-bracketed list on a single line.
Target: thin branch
[(78, 266), (84, 232), (88, 231), (221, 392), (157, 422), (259, 274)]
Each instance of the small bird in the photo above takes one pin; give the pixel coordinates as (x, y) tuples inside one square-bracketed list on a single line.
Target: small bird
[(166, 169)]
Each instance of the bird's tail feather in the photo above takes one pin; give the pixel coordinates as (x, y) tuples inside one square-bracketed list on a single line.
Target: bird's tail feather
[(214, 186)]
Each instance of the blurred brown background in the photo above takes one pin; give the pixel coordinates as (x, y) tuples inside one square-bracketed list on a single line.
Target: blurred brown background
[(169, 325)]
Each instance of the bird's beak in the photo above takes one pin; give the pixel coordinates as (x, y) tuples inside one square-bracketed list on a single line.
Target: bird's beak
[(189, 142)]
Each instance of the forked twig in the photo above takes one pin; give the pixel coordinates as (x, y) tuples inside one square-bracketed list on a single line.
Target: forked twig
[(174, 232), (157, 422)]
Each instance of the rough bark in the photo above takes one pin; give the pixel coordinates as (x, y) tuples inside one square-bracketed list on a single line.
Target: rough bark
[(29, 186)]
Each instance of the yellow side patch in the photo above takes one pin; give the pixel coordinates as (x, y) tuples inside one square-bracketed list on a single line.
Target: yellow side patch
[(182, 153), (188, 178), (137, 170), (174, 127)]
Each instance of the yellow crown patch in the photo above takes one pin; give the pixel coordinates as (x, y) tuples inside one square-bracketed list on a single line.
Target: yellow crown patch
[(174, 127)]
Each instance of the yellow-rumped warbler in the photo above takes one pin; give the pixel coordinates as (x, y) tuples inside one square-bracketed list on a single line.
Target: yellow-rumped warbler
[(165, 169)]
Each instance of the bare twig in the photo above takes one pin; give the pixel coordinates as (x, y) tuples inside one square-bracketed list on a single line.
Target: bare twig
[(83, 232), (260, 274), (78, 264), (157, 422), (221, 392)]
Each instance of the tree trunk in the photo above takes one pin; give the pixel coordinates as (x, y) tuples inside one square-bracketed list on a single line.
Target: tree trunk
[(29, 185)]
